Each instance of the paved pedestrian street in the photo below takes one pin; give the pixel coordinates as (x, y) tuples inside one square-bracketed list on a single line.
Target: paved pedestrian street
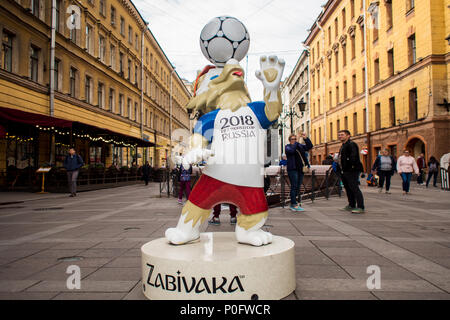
[(101, 232)]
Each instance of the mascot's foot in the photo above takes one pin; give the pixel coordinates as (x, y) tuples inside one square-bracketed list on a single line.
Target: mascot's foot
[(188, 227), (177, 236), (248, 230)]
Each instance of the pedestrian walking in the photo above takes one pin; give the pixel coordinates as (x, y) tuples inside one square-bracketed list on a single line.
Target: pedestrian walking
[(421, 164), (73, 162), (146, 170), (433, 171), (184, 179), (406, 165), (384, 166), (297, 164), (350, 167), (215, 220)]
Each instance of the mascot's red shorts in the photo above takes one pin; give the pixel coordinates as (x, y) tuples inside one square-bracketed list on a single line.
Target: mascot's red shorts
[(209, 191)]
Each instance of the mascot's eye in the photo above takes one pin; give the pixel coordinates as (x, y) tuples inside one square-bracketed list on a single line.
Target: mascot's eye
[(213, 77)]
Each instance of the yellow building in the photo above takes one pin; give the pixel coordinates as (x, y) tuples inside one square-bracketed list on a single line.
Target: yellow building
[(394, 62), (100, 82)]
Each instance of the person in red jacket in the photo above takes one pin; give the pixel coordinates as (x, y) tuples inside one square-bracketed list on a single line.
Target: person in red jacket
[(422, 164)]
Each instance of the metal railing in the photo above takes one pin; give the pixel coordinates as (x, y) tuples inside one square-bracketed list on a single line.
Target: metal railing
[(445, 183)]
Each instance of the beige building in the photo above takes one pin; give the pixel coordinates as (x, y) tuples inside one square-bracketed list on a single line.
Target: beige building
[(381, 70), (97, 80)]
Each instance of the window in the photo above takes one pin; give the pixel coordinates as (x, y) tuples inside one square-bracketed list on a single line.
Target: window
[(121, 104), (130, 35), (57, 14), (151, 61), (136, 42), (344, 55), (135, 75), (121, 64), (390, 55), (320, 135), (413, 105), (376, 70), (345, 90), (338, 126), (329, 35), (331, 131), (388, 4), (146, 117), (135, 111), (72, 81), (344, 22), (336, 26), (35, 7), (87, 89), (353, 85), (315, 136), (88, 38), (329, 67), (346, 123), (412, 49), (330, 98), (73, 30), (113, 16), (337, 95), (129, 70), (112, 56), (34, 63), (352, 8), (111, 99), (364, 120), (378, 116), (363, 79), (100, 95), (146, 55), (129, 108), (122, 26), (353, 45), (392, 119), (336, 61), (102, 7), (7, 51), (101, 48), (409, 5), (56, 75)]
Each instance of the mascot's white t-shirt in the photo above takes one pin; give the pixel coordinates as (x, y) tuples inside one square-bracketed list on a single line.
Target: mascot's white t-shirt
[(238, 141)]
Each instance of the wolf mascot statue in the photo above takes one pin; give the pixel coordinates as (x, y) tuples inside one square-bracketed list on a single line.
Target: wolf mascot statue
[(230, 137)]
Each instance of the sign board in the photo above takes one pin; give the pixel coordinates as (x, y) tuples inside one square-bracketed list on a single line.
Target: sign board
[(43, 169)]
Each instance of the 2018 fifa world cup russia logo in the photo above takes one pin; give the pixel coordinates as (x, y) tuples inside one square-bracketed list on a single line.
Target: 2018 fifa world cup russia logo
[(230, 135)]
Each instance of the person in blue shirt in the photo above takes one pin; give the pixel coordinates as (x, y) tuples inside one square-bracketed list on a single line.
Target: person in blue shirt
[(73, 162), (296, 160)]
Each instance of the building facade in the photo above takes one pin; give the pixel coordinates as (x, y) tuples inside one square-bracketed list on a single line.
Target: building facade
[(298, 86), (380, 69), (93, 77)]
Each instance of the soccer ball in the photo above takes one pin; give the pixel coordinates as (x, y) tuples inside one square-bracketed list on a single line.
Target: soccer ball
[(224, 38)]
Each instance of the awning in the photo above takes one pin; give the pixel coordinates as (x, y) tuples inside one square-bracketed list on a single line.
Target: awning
[(47, 121), (33, 118)]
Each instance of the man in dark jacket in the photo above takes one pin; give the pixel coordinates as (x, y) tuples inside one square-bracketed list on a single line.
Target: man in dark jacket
[(296, 160), (146, 171), (73, 163), (350, 168)]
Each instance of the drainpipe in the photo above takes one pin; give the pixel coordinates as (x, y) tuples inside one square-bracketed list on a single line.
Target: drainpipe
[(366, 80), (52, 60), (142, 89), (323, 88)]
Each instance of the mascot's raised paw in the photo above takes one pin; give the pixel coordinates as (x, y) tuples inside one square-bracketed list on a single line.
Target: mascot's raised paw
[(270, 75)]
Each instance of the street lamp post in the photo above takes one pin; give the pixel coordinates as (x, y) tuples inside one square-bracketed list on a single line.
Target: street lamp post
[(170, 119)]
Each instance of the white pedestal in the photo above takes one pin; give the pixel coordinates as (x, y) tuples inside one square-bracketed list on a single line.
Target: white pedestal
[(218, 267)]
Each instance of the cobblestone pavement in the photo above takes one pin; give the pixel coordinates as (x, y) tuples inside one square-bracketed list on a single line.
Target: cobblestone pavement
[(407, 237)]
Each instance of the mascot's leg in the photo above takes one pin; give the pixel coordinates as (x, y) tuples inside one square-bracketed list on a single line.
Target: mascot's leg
[(248, 229), (188, 227)]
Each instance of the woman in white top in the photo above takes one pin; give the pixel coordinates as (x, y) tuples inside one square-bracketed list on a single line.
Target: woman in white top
[(406, 165)]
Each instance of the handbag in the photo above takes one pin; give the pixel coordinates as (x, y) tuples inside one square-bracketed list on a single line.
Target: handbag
[(305, 169)]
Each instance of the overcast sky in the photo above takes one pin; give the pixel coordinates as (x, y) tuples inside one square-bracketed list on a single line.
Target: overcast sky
[(276, 27)]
